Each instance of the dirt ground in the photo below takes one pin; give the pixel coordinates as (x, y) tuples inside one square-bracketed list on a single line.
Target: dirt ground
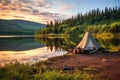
[(102, 66)]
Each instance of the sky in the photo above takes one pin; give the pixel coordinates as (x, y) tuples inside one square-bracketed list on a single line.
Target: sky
[(42, 11)]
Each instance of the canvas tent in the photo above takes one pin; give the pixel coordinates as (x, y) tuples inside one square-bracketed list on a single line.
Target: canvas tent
[(88, 43)]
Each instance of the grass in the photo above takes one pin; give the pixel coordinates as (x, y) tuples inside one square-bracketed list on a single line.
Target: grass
[(60, 75), (19, 71), (89, 69)]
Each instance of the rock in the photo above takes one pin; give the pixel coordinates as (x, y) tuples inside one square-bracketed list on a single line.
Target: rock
[(105, 60), (68, 68)]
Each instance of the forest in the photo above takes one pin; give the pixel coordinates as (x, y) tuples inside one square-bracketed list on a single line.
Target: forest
[(96, 21)]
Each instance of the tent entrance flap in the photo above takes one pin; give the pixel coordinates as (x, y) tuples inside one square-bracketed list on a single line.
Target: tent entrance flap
[(89, 45)]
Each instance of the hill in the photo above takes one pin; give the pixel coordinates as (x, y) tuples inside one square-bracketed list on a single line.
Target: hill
[(19, 27)]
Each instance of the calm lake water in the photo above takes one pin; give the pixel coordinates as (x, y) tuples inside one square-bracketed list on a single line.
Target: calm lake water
[(26, 50), (31, 50)]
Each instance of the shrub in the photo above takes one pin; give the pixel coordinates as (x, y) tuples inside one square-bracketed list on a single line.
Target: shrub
[(26, 72)]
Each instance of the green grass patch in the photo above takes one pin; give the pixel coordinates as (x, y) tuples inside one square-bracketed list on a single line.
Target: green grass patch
[(19, 71), (89, 69)]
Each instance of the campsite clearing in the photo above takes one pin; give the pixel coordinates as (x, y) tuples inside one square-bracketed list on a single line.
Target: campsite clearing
[(104, 66)]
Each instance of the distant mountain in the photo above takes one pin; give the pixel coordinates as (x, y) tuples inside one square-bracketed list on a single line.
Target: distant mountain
[(19, 27)]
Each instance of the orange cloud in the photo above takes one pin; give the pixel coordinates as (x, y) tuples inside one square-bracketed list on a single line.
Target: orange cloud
[(33, 10)]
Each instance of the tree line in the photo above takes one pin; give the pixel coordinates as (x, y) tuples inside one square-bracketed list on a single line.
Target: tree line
[(107, 20)]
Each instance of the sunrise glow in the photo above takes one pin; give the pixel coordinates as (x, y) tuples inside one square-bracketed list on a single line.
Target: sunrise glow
[(43, 11)]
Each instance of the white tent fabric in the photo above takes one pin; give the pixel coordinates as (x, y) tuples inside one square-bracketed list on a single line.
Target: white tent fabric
[(88, 42)]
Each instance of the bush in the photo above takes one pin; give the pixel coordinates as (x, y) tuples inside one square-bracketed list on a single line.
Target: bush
[(16, 72), (60, 75), (26, 72)]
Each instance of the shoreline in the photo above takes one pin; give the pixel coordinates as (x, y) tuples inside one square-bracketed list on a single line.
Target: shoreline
[(100, 65)]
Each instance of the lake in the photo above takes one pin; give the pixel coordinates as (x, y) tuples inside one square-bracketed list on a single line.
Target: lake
[(26, 50), (31, 50)]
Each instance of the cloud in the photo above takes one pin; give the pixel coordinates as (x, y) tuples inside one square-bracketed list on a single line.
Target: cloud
[(3, 8), (13, 9), (66, 7), (0, 1), (27, 1), (35, 10), (3, 14), (24, 10), (44, 5), (19, 16), (6, 2)]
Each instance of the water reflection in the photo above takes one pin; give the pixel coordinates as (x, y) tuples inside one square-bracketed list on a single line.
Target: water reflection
[(111, 44), (19, 44), (26, 50), (29, 56), (63, 43), (32, 50)]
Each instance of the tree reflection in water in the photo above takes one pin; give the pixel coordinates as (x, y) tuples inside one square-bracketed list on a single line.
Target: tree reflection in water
[(111, 44)]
